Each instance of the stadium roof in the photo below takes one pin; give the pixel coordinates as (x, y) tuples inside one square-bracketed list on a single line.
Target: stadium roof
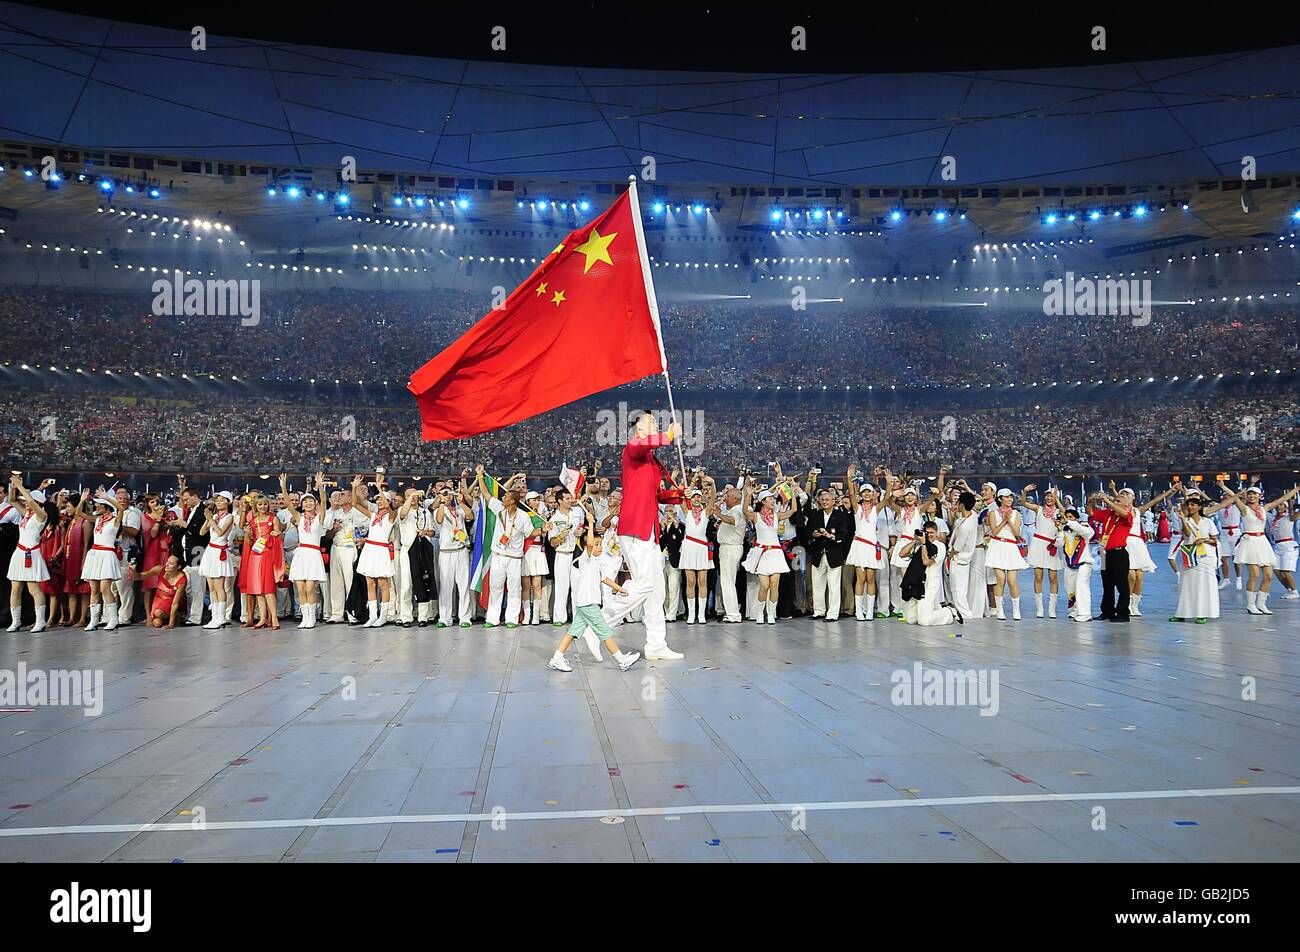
[(74, 81)]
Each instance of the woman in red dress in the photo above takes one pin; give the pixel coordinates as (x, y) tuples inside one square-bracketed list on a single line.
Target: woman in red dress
[(155, 544), (52, 551), (168, 593), (262, 564), (76, 542)]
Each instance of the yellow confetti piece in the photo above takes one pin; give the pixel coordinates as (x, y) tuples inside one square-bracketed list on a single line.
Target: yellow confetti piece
[(1080, 773), (911, 789), (264, 748), (1244, 783), (186, 813), (551, 803)]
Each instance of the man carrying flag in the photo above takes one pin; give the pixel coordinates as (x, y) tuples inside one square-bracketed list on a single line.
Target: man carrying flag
[(638, 533)]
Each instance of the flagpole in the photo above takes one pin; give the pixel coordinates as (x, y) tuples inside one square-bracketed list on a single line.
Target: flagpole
[(653, 304)]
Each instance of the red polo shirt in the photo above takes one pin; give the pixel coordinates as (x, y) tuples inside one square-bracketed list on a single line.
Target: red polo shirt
[(639, 513), (1114, 528)]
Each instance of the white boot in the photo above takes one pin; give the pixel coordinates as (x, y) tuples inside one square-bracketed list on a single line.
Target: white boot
[(1239, 583), (372, 619), (1051, 604), (1261, 602), (386, 614), (40, 619), (1250, 603), (702, 612), (305, 620), (218, 613), (537, 612), (96, 613), (111, 613), (869, 603), (858, 601), (1038, 604), (1135, 606), (1015, 608), (771, 613), (16, 616), (527, 606), (1002, 615), (690, 611)]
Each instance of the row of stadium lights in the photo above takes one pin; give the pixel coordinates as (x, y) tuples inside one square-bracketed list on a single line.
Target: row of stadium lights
[(799, 387), (398, 222), (1138, 211), (106, 185), (339, 198), (550, 204), (801, 233)]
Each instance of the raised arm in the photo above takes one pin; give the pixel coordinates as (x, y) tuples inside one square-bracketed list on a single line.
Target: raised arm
[(357, 499), (1281, 500)]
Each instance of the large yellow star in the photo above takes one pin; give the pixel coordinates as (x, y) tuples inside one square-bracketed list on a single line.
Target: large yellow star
[(558, 298), (596, 249), (541, 288)]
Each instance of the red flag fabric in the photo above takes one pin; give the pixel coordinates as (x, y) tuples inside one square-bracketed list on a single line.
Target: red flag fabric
[(581, 323)]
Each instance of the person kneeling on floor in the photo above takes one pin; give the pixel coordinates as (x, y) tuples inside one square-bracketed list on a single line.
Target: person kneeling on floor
[(593, 570)]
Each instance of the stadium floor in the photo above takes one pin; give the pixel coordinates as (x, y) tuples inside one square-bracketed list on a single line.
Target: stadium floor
[(772, 743)]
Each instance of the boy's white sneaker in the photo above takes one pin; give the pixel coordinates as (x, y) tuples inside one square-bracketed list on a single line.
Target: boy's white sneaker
[(627, 659), (558, 663)]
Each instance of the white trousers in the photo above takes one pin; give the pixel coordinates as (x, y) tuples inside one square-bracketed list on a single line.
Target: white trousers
[(453, 578), (826, 581), (958, 587), (548, 594), (563, 573), (195, 588), (673, 590), (1079, 581), (403, 601), (728, 563), (645, 590), (977, 593), (125, 593), (343, 561), (504, 575)]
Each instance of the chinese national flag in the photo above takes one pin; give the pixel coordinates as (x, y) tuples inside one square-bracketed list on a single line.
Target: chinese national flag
[(581, 323)]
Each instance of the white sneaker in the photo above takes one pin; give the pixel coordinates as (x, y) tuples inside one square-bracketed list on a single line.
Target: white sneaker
[(1223, 583), (593, 643), (1290, 595), (664, 654), (557, 663), (629, 658)]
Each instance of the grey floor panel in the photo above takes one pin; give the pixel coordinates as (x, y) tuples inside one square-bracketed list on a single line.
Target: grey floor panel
[(437, 724)]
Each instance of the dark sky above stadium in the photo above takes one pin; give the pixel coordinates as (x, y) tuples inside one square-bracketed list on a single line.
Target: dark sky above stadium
[(739, 36)]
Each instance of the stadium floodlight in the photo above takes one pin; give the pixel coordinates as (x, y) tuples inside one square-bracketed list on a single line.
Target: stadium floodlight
[(896, 215), (293, 191), (941, 215), (342, 198), (1140, 211), (462, 203), (1094, 215), (584, 205), (271, 190), (320, 196), (105, 185), (155, 193)]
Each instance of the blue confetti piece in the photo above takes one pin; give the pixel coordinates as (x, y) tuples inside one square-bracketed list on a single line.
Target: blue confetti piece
[(178, 861), (947, 833), (715, 842), (1185, 823), (452, 849)]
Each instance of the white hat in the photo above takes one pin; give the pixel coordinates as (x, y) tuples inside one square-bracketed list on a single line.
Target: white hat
[(1004, 492), (992, 486), (108, 501), (1249, 489), (532, 494), (38, 496), (694, 492), (230, 497), (1127, 491), (765, 494)]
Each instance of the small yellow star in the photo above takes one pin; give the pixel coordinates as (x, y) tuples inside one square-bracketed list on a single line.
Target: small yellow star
[(557, 248), (541, 289), (558, 298), (596, 249)]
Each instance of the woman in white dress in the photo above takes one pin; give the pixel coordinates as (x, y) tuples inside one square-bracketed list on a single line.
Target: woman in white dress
[(307, 570), (1253, 551), (766, 559), (1139, 558), (102, 567), (217, 566), (929, 608), (1044, 554), (1004, 558), (27, 564), (865, 554), (1285, 547), (696, 557), (1198, 591), (533, 567), (375, 563)]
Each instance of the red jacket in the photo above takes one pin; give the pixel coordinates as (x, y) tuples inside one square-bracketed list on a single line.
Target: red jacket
[(638, 515)]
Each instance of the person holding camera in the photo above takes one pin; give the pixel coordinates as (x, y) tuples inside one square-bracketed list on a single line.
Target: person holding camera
[(452, 516), (922, 584), (865, 552)]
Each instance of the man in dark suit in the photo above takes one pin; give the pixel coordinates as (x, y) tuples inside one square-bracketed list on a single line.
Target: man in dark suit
[(827, 533), (187, 544)]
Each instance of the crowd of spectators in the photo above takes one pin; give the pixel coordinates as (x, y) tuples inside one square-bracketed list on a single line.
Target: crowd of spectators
[(80, 432), (375, 336)]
